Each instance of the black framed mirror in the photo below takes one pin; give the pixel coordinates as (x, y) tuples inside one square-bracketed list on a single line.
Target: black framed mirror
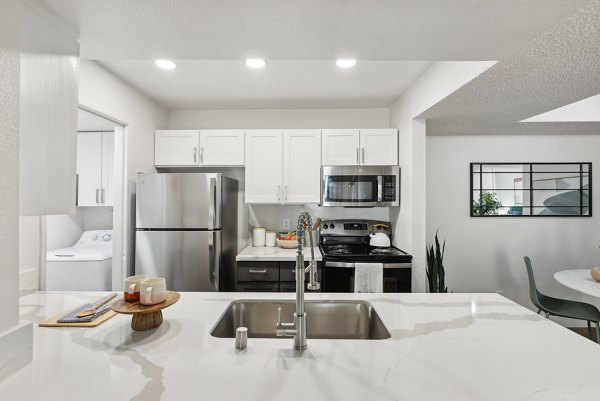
[(531, 189)]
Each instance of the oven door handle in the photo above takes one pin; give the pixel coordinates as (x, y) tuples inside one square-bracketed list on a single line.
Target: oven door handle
[(351, 265)]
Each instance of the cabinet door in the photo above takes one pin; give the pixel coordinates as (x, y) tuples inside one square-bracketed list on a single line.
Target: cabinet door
[(176, 148), (301, 166), (340, 147), (108, 167), (221, 147), (264, 164), (89, 174), (379, 147)]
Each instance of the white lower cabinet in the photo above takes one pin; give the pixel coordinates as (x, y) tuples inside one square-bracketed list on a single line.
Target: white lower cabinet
[(95, 168), (283, 166)]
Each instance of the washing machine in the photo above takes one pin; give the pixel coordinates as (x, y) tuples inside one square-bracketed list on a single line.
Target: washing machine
[(86, 266)]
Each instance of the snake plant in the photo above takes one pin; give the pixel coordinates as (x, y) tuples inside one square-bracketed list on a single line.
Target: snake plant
[(435, 267)]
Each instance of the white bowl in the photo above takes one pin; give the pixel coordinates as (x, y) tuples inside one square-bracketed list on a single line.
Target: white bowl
[(287, 244)]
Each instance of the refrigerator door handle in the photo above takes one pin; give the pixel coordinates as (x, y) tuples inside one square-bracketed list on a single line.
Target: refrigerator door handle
[(214, 261), (212, 210)]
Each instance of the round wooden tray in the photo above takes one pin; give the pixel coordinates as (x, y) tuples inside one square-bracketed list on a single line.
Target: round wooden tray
[(145, 317)]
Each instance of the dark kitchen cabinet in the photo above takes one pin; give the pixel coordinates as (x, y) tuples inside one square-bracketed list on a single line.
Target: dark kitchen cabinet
[(269, 276)]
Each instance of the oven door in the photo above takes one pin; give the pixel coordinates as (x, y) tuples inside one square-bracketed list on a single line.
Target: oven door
[(339, 277), (357, 186)]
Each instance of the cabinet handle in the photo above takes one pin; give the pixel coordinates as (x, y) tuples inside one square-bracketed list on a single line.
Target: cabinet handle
[(195, 155), (278, 192), (285, 193), (357, 157), (363, 155), (264, 271), (103, 195), (202, 155), (98, 199)]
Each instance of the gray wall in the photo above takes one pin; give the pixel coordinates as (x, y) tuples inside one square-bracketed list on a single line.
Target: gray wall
[(486, 254)]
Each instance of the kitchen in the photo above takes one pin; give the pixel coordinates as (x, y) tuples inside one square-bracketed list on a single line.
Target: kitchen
[(416, 103)]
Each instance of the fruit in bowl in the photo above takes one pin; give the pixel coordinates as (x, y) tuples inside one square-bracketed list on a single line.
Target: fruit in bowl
[(287, 239)]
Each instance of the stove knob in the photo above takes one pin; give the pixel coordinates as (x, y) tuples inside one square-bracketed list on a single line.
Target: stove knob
[(332, 226), (325, 227)]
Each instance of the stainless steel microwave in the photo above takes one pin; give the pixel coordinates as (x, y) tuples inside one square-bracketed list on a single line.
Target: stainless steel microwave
[(360, 186)]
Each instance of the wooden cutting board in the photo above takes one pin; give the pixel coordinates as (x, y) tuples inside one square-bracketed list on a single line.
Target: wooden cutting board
[(53, 321)]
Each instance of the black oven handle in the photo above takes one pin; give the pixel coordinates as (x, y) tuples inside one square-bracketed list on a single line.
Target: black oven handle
[(405, 265)]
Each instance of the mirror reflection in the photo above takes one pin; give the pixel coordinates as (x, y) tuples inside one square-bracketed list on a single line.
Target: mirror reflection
[(530, 189)]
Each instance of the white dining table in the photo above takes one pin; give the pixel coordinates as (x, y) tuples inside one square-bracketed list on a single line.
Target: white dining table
[(579, 280)]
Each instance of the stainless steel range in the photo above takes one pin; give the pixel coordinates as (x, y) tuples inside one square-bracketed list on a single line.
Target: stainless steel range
[(344, 243)]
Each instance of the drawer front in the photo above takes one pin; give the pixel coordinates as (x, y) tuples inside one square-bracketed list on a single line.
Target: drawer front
[(266, 271), (258, 287), (290, 286), (288, 272)]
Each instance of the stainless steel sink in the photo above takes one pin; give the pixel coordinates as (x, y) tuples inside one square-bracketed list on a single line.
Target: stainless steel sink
[(356, 320)]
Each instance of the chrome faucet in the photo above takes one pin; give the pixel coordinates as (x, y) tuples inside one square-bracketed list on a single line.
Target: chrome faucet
[(297, 329)]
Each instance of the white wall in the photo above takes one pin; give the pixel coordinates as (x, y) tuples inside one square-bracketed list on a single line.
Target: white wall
[(31, 252), (486, 254), (298, 118), (440, 80), (65, 230), (48, 106), (102, 91)]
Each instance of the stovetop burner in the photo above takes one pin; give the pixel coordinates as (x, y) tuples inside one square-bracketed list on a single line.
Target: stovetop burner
[(385, 251)]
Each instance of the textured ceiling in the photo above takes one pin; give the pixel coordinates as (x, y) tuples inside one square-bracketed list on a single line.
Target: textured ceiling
[(225, 84), (559, 67), (308, 29)]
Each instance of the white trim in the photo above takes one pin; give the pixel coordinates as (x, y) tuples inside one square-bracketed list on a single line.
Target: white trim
[(120, 262)]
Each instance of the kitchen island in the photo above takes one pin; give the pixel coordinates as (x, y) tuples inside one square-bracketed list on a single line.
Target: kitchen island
[(442, 347)]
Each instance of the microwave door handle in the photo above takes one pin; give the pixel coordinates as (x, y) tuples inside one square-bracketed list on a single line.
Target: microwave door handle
[(379, 188)]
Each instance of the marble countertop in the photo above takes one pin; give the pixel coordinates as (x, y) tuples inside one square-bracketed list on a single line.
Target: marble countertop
[(265, 253), (443, 347)]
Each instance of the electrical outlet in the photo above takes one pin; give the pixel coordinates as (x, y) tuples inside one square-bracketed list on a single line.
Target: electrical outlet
[(286, 224)]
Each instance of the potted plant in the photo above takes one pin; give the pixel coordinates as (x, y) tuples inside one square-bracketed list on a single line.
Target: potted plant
[(436, 275), (488, 204)]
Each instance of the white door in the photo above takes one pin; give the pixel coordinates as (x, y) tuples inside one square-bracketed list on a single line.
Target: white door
[(340, 147), (264, 164), (89, 165), (221, 147), (176, 148), (108, 167), (379, 147), (301, 166)]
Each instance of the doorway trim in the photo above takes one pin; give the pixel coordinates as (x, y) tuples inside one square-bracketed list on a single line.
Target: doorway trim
[(120, 229)]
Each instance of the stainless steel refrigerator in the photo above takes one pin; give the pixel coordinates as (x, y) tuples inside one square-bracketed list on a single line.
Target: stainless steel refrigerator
[(186, 230)]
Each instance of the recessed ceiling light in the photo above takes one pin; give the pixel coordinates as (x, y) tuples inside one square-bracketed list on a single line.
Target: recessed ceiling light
[(165, 64), (345, 62), (255, 62)]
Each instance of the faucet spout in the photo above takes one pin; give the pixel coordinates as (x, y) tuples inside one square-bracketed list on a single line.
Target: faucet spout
[(297, 329)]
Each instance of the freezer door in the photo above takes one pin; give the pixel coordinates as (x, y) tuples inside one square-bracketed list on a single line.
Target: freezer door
[(188, 260), (184, 200)]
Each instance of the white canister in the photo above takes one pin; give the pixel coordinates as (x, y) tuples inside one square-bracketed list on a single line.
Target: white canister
[(258, 236), (270, 238)]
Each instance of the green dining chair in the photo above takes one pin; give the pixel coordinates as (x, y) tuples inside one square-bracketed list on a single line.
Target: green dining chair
[(562, 307)]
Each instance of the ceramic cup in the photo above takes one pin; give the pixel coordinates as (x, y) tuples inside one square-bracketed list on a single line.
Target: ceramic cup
[(153, 291), (131, 287)]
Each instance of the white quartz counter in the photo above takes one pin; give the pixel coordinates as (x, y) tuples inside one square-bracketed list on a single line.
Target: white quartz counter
[(265, 253), (443, 347)]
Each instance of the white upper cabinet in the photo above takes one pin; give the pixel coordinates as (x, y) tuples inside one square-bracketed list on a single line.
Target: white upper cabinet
[(283, 166), (379, 147), (95, 168), (301, 166), (176, 148), (181, 148), (365, 147), (221, 147), (340, 147), (264, 164)]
